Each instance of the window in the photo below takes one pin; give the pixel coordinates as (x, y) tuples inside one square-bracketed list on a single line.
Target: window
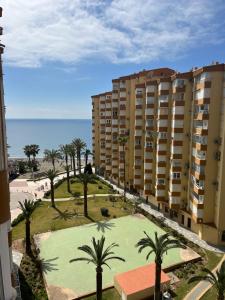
[(176, 175), (115, 113), (160, 181), (114, 137), (108, 121), (149, 123), (139, 91), (149, 144), (138, 142), (162, 135)]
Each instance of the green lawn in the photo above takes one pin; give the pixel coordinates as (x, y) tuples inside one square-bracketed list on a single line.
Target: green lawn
[(77, 188), (211, 294), (110, 294), (79, 278), (46, 218)]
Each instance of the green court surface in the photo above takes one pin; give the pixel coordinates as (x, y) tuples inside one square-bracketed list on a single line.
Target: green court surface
[(66, 280)]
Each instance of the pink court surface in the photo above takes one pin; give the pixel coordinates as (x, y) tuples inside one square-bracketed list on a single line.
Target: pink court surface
[(138, 283)]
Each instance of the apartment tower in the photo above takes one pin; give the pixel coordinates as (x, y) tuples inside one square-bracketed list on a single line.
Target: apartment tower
[(175, 153), (6, 290)]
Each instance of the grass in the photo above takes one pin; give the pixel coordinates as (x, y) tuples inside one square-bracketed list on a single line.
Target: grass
[(211, 294), (97, 187), (45, 218), (110, 294), (211, 260)]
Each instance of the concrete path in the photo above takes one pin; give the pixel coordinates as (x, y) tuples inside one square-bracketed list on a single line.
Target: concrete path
[(80, 197), (193, 237), (21, 189), (202, 287)]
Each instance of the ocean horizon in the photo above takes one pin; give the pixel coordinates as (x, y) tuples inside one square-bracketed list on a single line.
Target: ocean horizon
[(47, 133)]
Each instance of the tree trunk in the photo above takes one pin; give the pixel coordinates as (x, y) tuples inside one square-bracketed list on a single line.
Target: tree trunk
[(74, 166), (53, 164), (28, 243), (86, 160), (157, 295), (99, 283), (79, 163), (68, 179), (52, 194), (85, 201)]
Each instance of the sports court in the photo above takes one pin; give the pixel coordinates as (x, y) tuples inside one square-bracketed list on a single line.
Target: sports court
[(66, 280)]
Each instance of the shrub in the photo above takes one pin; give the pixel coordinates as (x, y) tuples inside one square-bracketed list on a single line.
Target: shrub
[(100, 187)]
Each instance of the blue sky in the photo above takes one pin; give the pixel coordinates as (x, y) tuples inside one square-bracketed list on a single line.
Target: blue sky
[(59, 53)]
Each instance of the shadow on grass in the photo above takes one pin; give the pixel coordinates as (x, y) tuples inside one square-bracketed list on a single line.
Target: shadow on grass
[(65, 215), (103, 226), (47, 265)]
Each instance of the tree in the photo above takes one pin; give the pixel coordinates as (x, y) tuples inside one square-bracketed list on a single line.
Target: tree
[(159, 247), (86, 154), (52, 156), (34, 150), (122, 141), (51, 175), (28, 151), (79, 146), (85, 179), (99, 256), (88, 169), (217, 279), (27, 208), (72, 153), (65, 153)]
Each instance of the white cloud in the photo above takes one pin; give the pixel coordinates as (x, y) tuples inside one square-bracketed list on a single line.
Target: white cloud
[(70, 31)]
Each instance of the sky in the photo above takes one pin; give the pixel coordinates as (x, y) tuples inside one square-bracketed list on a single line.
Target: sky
[(60, 52)]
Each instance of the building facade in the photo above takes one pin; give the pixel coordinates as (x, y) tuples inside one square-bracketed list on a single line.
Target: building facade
[(7, 292), (175, 152)]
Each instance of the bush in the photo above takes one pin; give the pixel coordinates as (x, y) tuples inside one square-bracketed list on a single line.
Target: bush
[(104, 212), (100, 187)]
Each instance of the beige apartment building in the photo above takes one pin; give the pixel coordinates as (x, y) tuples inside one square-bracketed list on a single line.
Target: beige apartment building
[(175, 152), (7, 292)]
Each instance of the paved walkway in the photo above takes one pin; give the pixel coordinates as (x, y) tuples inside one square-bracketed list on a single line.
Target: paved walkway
[(202, 287), (81, 197), (21, 189), (191, 236)]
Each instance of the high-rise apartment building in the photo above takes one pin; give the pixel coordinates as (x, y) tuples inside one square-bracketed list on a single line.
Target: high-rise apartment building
[(6, 290), (175, 152)]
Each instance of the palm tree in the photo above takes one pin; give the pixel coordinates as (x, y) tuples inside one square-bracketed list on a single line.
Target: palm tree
[(34, 150), (51, 175), (65, 152), (85, 179), (72, 154), (159, 247), (52, 156), (27, 208), (99, 256), (79, 146), (217, 279), (28, 152), (86, 154), (122, 141)]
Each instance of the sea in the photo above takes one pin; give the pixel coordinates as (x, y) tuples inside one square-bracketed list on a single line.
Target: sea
[(47, 133)]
